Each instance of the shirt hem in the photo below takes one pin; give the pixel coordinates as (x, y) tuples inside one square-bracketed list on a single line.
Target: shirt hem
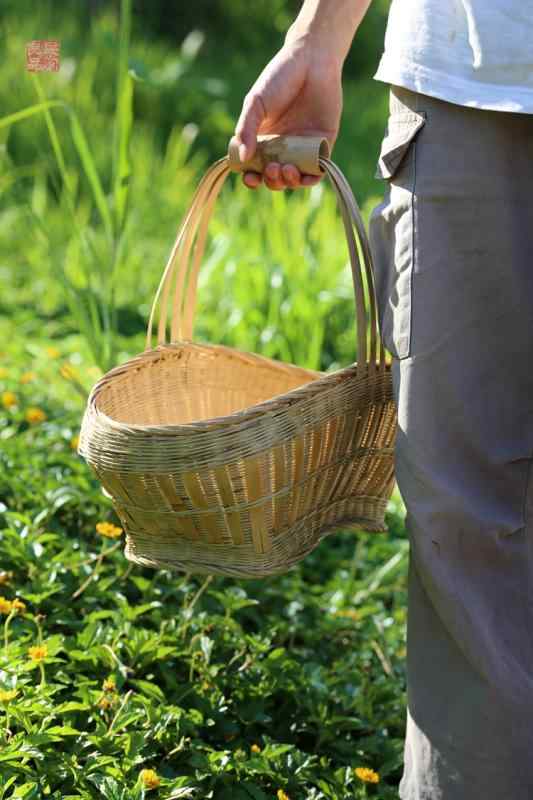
[(473, 94)]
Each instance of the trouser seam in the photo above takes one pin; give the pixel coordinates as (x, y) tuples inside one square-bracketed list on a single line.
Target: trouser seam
[(525, 514), (413, 244)]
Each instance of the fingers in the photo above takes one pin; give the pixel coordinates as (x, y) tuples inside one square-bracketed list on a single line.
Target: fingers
[(290, 175), (310, 180), (252, 179), (252, 115), (278, 177), (275, 176)]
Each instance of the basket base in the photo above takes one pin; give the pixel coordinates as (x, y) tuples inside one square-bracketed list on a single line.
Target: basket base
[(234, 562)]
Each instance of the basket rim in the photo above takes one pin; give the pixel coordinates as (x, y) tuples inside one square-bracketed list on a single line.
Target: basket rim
[(324, 380)]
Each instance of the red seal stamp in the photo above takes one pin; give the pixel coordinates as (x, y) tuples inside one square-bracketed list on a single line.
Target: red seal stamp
[(42, 55)]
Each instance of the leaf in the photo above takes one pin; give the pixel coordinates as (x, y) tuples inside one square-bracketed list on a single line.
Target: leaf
[(87, 160), (132, 612), (277, 653), (273, 751), (63, 730), (123, 118), (234, 598), (127, 719), (63, 494), (5, 786), (163, 651), (30, 111), (83, 655), (72, 705), (24, 751), (28, 791), (108, 787), (254, 791), (150, 689), (133, 744)]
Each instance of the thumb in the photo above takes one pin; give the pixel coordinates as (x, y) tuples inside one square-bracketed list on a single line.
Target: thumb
[(252, 115)]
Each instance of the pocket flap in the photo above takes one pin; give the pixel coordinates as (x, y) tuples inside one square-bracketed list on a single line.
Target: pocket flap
[(402, 127)]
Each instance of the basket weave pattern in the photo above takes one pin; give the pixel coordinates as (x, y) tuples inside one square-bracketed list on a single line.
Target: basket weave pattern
[(225, 462)]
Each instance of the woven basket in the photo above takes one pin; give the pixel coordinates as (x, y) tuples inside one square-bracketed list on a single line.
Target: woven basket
[(225, 462)]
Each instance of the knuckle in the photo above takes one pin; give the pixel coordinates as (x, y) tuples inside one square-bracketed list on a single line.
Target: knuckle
[(290, 175), (250, 98), (273, 171), (254, 102)]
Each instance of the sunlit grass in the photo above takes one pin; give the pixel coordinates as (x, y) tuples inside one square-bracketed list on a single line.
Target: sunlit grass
[(117, 681)]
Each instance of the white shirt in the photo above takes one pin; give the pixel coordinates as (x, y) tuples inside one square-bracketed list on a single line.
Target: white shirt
[(473, 52)]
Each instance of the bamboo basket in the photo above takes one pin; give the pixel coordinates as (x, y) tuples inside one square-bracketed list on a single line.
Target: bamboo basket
[(225, 462)]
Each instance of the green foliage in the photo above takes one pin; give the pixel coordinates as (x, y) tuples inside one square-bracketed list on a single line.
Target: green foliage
[(88, 217), (89, 263), (226, 689), (307, 667)]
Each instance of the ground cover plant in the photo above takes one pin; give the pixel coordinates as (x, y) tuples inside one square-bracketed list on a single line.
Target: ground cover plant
[(123, 682), (115, 679)]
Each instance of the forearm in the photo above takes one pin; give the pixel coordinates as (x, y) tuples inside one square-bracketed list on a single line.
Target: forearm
[(329, 25)]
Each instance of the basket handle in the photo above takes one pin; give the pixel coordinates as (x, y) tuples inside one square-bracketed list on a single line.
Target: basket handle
[(304, 152), (309, 154)]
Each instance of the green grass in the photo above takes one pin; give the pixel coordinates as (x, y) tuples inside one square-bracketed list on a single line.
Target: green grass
[(227, 689), (89, 201)]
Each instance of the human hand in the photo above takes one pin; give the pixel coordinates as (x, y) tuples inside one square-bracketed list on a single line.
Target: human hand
[(298, 93)]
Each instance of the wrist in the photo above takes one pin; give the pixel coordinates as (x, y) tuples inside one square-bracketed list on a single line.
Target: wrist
[(317, 46), (327, 28)]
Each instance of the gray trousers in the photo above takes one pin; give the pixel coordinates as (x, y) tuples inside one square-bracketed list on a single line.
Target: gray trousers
[(453, 249)]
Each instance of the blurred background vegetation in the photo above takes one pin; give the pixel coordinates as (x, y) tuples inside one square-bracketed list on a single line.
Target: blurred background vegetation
[(82, 247)]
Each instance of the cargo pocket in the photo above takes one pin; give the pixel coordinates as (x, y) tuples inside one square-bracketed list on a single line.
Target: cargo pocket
[(392, 229)]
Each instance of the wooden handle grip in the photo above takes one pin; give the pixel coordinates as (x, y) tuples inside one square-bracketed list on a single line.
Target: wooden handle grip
[(302, 151)]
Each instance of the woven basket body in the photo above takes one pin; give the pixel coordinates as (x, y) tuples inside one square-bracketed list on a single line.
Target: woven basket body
[(225, 462)]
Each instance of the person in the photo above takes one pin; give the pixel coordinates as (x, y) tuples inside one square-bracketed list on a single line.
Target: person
[(452, 247)]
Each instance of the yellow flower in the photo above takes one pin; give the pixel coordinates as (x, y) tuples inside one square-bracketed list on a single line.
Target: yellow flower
[(367, 775), (3, 372), (281, 795), (38, 653), (104, 703), (35, 415), (150, 778), (347, 612), (108, 529), (109, 685), (255, 748), (68, 372), (8, 399), (7, 695), (53, 352), (5, 577), (74, 442), (5, 605), (27, 377)]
